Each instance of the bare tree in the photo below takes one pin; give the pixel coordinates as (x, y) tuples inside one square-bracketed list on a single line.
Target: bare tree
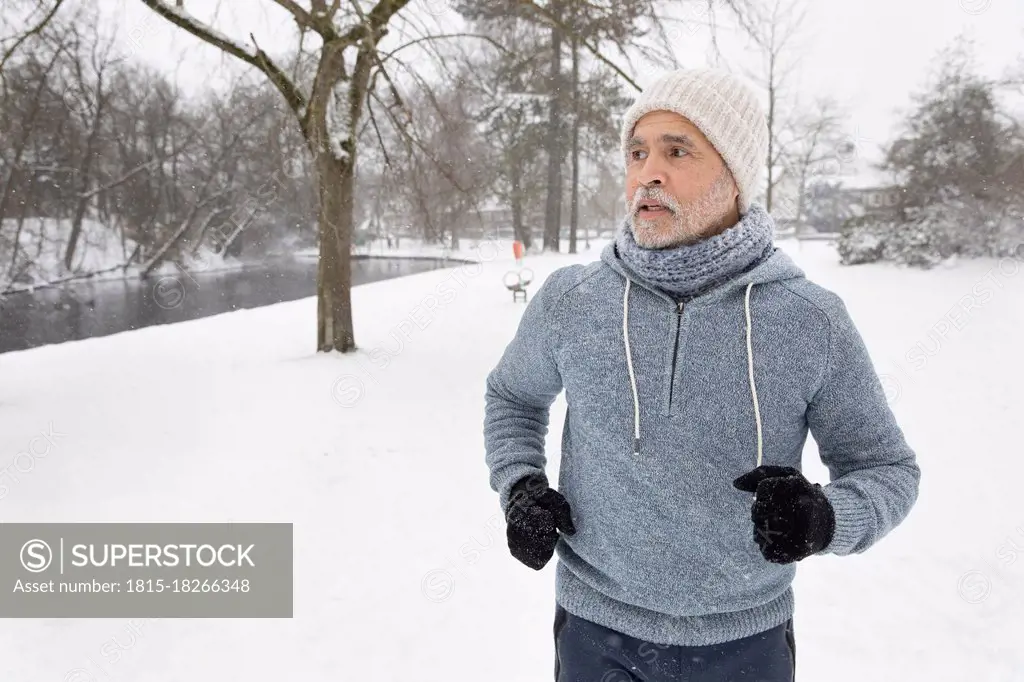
[(555, 133), (574, 202), (96, 148), (89, 92), (22, 108), (512, 117), (814, 139), (31, 119), (774, 33), (36, 15), (445, 173), (328, 113), (515, 118)]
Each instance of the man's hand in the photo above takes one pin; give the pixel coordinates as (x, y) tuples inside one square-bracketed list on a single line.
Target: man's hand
[(792, 517), (535, 514)]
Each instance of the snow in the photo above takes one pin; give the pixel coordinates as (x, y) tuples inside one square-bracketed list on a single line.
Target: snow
[(339, 122), (204, 27), (413, 247), (99, 254), (44, 241), (205, 260), (401, 571)]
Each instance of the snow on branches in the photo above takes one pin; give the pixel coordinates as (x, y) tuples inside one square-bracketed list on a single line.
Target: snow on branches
[(339, 123), (195, 26), (339, 118)]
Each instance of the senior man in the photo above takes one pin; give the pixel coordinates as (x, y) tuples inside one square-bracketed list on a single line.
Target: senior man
[(695, 357)]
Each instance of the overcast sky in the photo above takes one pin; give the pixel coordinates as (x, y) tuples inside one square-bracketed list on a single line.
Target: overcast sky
[(869, 54)]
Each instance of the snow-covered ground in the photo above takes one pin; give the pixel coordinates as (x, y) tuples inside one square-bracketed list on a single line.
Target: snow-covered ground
[(406, 247), (42, 243), (100, 254), (401, 571)]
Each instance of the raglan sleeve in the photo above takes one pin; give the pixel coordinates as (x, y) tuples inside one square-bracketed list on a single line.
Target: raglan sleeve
[(874, 473), (520, 391)]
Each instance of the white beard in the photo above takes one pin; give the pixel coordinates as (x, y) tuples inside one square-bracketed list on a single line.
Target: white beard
[(684, 226)]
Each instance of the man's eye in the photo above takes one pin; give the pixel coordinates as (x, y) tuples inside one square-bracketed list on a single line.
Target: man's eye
[(638, 154), (679, 151)]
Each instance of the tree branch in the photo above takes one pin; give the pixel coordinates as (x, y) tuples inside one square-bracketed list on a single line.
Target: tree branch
[(378, 18), (29, 33), (121, 180), (360, 62), (376, 129), (403, 130), (321, 23), (422, 39), (302, 17), (179, 17), (592, 49)]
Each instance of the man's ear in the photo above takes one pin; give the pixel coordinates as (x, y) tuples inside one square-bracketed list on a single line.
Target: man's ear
[(735, 190)]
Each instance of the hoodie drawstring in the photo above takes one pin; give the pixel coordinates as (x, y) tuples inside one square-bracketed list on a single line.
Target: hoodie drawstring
[(750, 367), (632, 374)]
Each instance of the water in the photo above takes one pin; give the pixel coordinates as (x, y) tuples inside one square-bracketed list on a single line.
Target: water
[(85, 310)]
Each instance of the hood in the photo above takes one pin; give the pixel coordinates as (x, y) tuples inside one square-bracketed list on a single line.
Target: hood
[(778, 266)]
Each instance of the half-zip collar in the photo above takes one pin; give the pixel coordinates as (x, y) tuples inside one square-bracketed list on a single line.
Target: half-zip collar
[(778, 266)]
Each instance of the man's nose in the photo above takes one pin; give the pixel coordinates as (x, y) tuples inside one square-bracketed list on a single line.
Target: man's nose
[(653, 173)]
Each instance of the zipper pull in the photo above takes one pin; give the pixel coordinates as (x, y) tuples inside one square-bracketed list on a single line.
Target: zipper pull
[(679, 305)]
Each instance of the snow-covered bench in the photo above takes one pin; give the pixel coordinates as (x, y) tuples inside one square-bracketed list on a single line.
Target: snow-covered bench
[(516, 281)]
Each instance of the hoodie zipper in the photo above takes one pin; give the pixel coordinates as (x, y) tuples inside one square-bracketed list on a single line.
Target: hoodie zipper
[(675, 353)]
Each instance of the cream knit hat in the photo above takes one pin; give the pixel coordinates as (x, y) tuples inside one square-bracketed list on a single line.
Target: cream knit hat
[(724, 108)]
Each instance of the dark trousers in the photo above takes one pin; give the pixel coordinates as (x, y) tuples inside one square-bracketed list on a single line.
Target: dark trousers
[(587, 652)]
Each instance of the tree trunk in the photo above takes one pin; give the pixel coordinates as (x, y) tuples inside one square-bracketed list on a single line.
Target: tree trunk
[(336, 184), (12, 176), (333, 149), (517, 223), (11, 273), (575, 201), (182, 230), (81, 205), (771, 133), (800, 195), (553, 208), (518, 228)]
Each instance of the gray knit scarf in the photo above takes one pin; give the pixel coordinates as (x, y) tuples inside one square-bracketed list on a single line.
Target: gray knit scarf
[(688, 271)]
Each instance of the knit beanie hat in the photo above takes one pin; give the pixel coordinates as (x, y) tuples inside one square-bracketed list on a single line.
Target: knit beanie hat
[(724, 108)]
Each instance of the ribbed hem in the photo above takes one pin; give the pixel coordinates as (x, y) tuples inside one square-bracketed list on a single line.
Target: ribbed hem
[(583, 601), (855, 520)]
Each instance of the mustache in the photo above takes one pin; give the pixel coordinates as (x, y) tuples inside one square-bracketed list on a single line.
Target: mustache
[(644, 194)]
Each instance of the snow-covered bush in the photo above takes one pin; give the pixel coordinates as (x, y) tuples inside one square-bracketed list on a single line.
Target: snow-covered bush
[(860, 241), (919, 242), (868, 239), (930, 235), (959, 165)]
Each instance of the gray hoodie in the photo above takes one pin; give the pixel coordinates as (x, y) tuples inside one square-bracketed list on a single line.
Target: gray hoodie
[(667, 404)]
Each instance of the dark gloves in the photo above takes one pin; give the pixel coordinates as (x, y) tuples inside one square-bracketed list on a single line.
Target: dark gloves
[(792, 517), (534, 514)]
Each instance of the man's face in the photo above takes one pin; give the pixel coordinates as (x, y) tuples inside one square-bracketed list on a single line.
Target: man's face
[(678, 188)]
